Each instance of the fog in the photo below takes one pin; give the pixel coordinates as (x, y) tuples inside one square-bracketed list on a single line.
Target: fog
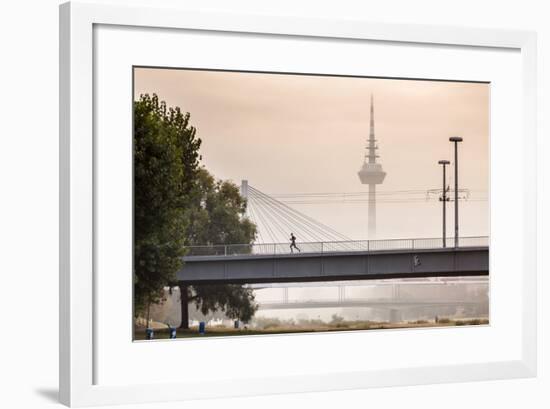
[(289, 134), (292, 135), (465, 301)]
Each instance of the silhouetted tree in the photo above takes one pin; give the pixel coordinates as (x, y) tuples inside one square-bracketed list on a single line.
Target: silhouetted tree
[(166, 164), (218, 217), (177, 203)]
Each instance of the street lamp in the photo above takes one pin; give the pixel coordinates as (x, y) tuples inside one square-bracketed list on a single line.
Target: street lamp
[(444, 199), (456, 140)]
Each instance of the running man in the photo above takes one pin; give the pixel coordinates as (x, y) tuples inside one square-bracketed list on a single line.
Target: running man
[(293, 243)]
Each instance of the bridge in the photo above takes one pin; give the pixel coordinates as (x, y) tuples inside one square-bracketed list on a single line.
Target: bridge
[(393, 308), (395, 303), (327, 255), (388, 293), (334, 261), (366, 303), (395, 285)]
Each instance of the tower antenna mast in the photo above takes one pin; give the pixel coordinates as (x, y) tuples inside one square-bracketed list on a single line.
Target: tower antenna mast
[(371, 173)]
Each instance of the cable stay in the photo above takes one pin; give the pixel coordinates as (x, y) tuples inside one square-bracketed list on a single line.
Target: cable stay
[(285, 223), (292, 223), (252, 216), (309, 220), (275, 221), (298, 217), (291, 220), (275, 218)]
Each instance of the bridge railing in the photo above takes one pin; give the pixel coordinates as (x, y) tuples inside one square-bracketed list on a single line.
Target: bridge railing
[(333, 246)]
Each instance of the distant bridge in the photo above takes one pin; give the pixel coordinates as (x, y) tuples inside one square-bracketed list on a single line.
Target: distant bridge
[(366, 303), (417, 282), (335, 261), (397, 298)]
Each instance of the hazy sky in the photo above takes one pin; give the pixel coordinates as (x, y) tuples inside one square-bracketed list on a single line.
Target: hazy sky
[(299, 134)]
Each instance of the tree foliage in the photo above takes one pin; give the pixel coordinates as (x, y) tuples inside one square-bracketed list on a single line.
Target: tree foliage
[(177, 203), (217, 216), (166, 164), (233, 300)]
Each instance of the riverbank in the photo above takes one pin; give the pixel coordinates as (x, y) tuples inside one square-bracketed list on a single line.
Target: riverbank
[(216, 331)]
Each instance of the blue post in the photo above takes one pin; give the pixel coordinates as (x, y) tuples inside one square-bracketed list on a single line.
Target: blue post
[(172, 332), (202, 327), (149, 333)]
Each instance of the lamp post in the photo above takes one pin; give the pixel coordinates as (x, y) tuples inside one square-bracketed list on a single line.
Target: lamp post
[(456, 140), (444, 199)]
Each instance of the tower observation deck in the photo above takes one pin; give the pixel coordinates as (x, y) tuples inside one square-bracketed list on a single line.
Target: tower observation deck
[(371, 174)]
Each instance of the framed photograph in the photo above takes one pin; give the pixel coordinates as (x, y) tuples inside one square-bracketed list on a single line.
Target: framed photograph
[(311, 204)]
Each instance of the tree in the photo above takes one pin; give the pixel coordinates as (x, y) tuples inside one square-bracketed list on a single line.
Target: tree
[(218, 217), (234, 300), (166, 165), (217, 214), (177, 203)]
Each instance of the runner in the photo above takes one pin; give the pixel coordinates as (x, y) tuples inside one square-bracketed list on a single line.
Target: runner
[(293, 243)]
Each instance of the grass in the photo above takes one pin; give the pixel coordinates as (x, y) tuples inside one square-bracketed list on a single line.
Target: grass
[(139, 333)]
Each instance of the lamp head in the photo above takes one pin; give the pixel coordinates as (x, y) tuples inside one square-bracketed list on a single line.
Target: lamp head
[(444, 162), (455, 139)]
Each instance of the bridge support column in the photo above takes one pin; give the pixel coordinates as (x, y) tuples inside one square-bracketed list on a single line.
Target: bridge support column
[(184, 300), (395, 316), (341, 293), (395, 291)]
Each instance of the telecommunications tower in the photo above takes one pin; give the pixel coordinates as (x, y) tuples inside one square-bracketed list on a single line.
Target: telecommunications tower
[(371, 173)]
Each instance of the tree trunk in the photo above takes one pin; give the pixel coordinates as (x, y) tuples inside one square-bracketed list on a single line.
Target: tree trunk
[(184, 299)]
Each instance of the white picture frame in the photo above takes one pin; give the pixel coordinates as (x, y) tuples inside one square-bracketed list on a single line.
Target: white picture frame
[(78, 354)]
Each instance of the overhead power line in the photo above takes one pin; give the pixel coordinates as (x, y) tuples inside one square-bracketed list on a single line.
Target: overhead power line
[(349, 194), (417, 200), (396, 196)]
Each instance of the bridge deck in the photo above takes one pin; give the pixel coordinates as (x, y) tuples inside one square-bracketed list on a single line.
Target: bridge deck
[(335, 266)]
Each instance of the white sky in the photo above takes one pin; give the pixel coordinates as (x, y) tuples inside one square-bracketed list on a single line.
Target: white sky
[(299, 134)]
